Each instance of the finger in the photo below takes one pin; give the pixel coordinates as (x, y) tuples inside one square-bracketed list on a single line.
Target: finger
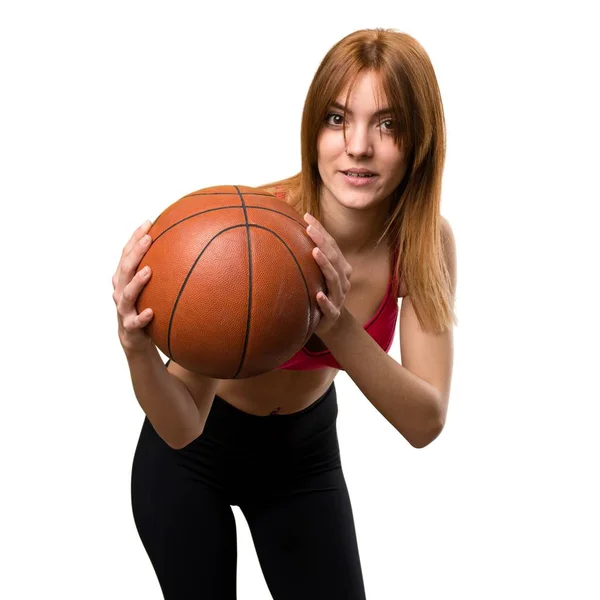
[(326, 306), (317, 237), (138, 234), (335, 260), (115, 277), (327, 244), (129, 264), (317, 226), (312, 222), (348, 272), (135, 321), (132, 291), (334, 285), (310, 219)]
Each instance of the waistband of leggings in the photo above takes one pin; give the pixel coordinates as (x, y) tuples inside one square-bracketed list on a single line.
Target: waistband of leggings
[(233, 422)]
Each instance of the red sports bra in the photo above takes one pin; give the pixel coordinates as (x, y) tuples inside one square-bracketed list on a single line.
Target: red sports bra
[(381, 328)]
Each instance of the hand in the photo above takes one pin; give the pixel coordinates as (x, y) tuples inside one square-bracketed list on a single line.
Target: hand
[(127, 286), (337, 274)]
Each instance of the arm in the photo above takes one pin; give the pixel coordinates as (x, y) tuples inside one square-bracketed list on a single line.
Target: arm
[(414, 396), (409, 403), (176, 404), (177, 414)]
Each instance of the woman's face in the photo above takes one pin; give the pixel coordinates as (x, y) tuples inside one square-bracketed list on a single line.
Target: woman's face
[(369, 144)]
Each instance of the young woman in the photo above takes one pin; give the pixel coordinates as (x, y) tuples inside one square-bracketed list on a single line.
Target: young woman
[(373, 145)]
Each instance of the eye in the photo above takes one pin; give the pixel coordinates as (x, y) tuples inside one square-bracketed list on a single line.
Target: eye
[(389, 124), (330, 116)]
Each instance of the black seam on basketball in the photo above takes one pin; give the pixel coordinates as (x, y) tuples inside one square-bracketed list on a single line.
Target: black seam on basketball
[(185, 282), (285, 245), (249, 288), (220, 208), (247, 334)]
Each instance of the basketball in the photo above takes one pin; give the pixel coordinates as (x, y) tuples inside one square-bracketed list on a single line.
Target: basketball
[(234, 282)]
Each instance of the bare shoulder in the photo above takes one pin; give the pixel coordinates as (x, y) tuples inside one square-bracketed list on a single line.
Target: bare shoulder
[(402, 290), (447, 233)]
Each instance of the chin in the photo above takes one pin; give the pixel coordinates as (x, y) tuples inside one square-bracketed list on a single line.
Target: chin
[(359, 200)]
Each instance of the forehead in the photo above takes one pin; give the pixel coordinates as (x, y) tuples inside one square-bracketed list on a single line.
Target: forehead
[(367, 90)]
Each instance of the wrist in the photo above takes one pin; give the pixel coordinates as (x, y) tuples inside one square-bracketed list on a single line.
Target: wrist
[(139, 351), (337, 328)]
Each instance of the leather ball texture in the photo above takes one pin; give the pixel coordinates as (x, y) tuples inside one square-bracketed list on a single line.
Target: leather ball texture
[(234, 282)]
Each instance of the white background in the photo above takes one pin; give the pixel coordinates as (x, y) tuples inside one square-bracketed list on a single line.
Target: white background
[(110, 111)]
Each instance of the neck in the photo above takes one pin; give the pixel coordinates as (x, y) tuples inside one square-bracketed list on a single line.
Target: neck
[(356, 232)]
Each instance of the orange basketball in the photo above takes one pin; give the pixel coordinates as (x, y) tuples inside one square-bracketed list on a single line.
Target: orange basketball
[(234, 282)]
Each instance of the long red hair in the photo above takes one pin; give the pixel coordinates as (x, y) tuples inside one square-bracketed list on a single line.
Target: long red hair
[(413, 226)]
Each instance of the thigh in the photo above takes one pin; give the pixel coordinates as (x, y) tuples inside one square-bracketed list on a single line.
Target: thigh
[(187, 529), (306, 542)]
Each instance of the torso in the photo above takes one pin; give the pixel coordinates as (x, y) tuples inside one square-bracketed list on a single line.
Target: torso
[(284, 391)]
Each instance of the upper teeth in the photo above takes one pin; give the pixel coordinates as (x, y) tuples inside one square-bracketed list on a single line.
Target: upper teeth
[(358, 174)]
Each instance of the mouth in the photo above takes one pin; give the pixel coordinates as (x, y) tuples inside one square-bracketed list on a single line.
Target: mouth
[(359, 180), (359, 174)]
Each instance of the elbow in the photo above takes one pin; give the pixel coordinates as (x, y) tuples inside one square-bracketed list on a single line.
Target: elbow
[(176, 445), (432, 424), (182, 442), (428, 433)]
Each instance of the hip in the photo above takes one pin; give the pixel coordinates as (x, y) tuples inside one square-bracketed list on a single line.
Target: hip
[(238, 451)]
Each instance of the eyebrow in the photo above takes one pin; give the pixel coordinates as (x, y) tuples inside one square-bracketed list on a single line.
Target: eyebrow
[(383, 111)]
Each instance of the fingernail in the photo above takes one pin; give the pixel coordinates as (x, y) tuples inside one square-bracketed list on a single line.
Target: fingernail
[(145, 240)]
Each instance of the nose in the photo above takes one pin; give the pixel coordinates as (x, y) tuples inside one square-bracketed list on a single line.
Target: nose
[(358, 142)]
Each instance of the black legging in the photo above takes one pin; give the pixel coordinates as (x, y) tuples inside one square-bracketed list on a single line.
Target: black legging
[(285, 474)]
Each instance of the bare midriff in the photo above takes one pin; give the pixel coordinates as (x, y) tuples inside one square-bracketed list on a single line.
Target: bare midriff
[(280, 391)]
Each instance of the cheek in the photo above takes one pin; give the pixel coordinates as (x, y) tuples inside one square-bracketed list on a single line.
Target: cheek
[(327, 146), (395, 160)]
